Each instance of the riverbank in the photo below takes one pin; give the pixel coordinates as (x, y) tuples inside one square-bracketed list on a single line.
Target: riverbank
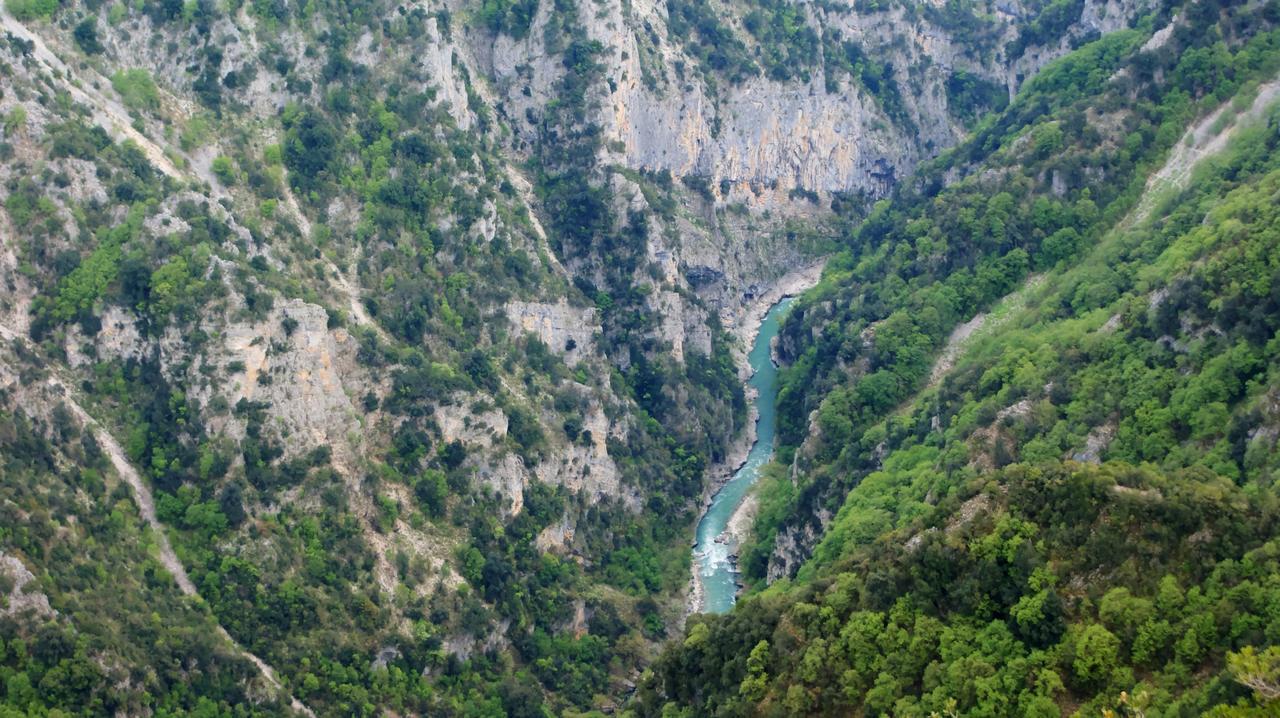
[(739, 528), (746, 327)]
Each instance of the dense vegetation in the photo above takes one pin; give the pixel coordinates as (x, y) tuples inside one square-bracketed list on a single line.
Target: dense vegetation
[(1022, 591), (116, 635), (969, 566), (935, 257)]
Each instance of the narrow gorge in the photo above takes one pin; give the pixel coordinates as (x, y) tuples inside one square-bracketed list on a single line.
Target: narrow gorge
[(714, 557), (644, 358)]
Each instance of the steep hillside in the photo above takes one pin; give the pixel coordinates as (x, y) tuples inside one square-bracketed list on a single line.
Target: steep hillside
[(358, 485), (1030, 195), (1064, 504), (1057, 589), (103, 628)]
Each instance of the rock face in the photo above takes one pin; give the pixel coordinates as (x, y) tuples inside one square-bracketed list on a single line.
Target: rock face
[(584, 467), (769, 154), (775, 138), (566, 330), (761, 143), (293, 363), (761, 140), (24, 600), (793, 545)]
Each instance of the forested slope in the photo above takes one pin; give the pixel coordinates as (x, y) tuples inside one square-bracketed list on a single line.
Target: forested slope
[(1034, 192), (1074, 512), (1036, 590), (105, 629)]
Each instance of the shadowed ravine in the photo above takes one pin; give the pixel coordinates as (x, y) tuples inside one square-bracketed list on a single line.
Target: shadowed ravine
[(716, 567)]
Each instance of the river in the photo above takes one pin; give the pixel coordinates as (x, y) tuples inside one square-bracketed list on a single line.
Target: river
[(715, 565)]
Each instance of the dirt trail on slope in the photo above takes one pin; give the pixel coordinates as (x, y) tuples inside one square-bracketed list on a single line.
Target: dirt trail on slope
[(958, 341), (168, 558), (147, 508), (1196, 145), (141, 493), (106, 111)]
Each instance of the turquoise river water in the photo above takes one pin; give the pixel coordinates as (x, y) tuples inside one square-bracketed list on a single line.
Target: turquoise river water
[(717, 569)]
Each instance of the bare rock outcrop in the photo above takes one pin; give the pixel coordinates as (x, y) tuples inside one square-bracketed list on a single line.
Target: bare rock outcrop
[(565, 329)]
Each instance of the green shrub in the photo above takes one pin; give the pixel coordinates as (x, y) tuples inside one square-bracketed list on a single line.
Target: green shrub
[(32, 9), (16, 120), (195, 133), (136, 89), (86, 36), (223, 170)]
